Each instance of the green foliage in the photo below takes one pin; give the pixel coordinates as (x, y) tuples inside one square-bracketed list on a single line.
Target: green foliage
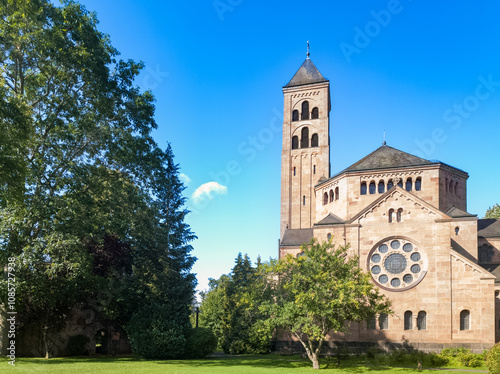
[(471, 359), (200, 342), (454, 352), (493, 212), (91, 209), (231, 309), (157, 333), (493, 359), (77, 345), (320, 292)]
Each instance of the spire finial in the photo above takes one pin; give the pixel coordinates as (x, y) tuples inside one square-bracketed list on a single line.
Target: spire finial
[(384, 143), (308, 49)]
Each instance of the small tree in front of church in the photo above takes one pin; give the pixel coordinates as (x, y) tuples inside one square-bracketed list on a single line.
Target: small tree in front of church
[(493, 212), (320, 292)]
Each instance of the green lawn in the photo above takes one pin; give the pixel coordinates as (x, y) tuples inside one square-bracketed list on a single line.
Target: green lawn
[(214, 365)]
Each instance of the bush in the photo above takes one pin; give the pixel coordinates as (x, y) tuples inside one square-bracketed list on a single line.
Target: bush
[(454, 352), (372, 352), (77, 345), (155, 333), (493, 359), (200, 342), (470, 359)]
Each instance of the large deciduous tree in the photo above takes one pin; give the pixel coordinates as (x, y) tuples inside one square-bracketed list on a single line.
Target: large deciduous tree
[(90, 206), (320, 293)]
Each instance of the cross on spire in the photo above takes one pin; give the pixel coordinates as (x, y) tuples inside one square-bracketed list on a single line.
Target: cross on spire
[(308, 49)]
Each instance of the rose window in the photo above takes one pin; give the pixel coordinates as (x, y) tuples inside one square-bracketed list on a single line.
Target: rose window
[(397, 264)]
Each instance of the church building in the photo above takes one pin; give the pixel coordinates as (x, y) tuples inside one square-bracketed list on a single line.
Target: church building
[(404, 217)]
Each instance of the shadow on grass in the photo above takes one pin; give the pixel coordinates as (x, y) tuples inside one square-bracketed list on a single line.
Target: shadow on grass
[(269, 361)]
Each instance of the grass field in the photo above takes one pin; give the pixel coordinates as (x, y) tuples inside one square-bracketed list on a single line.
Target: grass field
[(213, 365)]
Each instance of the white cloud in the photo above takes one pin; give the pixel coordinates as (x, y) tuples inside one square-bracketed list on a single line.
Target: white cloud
[(184, 178), (208, 191)]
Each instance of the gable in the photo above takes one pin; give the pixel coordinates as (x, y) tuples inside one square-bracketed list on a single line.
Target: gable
[(395, 199)]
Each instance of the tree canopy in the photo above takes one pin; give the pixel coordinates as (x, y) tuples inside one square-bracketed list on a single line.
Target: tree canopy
[(493, 212), (90, 206), (320, 292)]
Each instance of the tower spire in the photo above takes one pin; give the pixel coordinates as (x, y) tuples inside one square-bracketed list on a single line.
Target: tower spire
[(384, 142), (308, 49)]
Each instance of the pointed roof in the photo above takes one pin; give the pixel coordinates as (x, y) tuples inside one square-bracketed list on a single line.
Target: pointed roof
[(454, 212), (387, 157), (330, 219), (308, 73)]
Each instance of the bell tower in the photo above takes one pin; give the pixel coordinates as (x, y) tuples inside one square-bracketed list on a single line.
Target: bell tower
[(305, 155)]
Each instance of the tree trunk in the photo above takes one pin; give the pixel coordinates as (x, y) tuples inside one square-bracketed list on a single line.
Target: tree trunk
[(315, 361), (45, 342)]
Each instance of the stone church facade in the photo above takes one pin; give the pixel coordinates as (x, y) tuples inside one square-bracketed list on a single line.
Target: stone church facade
[(404, 217)]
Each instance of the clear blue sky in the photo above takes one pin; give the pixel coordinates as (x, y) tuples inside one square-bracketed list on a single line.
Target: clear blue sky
[(426, 72)]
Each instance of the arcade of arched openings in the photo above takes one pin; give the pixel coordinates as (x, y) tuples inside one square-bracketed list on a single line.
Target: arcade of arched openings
[(372, 187)]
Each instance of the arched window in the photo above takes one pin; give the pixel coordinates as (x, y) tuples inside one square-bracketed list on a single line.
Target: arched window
[(294, 171), (456, 188), (446, 184), (390, 184), (304, 200), (295, 142), (314, 169), (372, 188), (329, 236), (408, 320), (331, 195), (314, 140), (363, 188), (325, 198), (304, 141), (400, 183), (465, 320), (336, 193), (305, 110), (295, 115), (381, 187), (457, 230), (450, 189), (418, 184), (315, 113), (399, 216), (391, 215), (409, 184), (422, 320), (383, 321)]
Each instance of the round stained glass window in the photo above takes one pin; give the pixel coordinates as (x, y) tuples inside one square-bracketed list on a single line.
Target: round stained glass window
[(395, 244), (395, 282), (408, 278), (397, 264), (415, 256), (415, 269), (407, 247)]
